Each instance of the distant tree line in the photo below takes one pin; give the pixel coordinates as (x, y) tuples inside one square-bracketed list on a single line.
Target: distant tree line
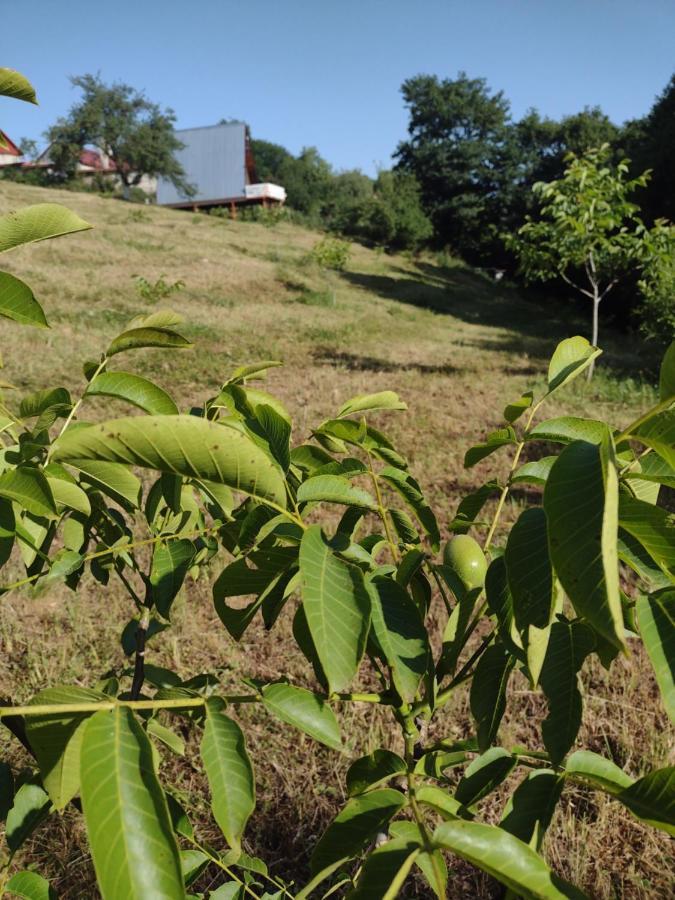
[(463, 179)]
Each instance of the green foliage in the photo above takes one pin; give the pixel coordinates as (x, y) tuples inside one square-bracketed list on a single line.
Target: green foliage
[(135, 133), (331, 253), (226, 489), (154, 291), (589, 234)]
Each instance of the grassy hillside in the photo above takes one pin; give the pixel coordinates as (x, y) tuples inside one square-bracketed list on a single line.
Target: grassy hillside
[(453, 344)]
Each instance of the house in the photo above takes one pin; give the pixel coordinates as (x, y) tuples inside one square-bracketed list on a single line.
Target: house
[(10, 155), (92, 161), (218, 163)]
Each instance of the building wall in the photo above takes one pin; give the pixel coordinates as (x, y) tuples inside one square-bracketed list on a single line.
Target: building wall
[(9, 159), (214, 161)]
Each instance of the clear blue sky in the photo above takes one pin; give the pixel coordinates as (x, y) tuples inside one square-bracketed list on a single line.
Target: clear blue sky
[(327, 72)]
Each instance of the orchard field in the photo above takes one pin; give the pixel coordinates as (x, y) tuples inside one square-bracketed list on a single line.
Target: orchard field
[(456, 346)]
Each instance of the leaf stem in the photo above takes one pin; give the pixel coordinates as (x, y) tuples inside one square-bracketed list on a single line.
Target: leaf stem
[(381, 510), (101, 366)]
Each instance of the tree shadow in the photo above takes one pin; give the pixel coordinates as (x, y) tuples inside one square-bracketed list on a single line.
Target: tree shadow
[(355, 363), (527, 324)]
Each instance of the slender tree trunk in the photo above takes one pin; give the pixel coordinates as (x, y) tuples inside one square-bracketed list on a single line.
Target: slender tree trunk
[(594, 338)]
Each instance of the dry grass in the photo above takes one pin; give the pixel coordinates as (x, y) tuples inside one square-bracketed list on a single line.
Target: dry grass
[(456, 348)]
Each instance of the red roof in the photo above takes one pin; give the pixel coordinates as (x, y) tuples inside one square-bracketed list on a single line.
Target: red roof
[(92, 159), (8, 146)]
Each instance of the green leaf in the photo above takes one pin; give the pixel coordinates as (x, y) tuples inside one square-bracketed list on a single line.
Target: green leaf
[(484, 774), (535, 472), (513, 411), (488, 692), (633, 554), (506, 858), (569, 645), (358, 822), (168, 737), (181, 445), (14, 84), (432, 865), (18, 303), (56, 740), (303, 710), (229, 772), (138, 338), (653, 468), (567, 429), (276, 430), (37, 223), (569, 359), (528, 569), (30, 489), (656, 621), (371, 402), (69, 496), (41, 401), (597, 771), (113, 479), (193, 863), (336, 606), (31, 805), (667, 374), (503, 437), (530, 808), (170, 565), (659, 434), (471, 505), (134, 389), (130, 834), (248, 371), (652, 526), (400, 633), (334, 489), (385, 871), (652, 799), (446, 806), (404, 484), (30, 886), (581, 504), (370, 771)]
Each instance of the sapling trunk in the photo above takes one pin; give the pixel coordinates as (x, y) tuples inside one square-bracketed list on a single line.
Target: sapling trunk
[(594, 336)]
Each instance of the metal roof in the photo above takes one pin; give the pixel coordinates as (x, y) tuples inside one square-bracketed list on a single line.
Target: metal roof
[(214, 161)]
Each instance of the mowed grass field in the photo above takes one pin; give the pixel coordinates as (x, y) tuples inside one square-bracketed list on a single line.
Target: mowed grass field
[(456, 347)]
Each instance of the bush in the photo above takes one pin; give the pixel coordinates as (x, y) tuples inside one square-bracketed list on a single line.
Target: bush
[(154, 291), (331, 253)]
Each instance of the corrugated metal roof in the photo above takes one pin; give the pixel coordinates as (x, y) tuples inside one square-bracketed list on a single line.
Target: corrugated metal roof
[(214, 161)]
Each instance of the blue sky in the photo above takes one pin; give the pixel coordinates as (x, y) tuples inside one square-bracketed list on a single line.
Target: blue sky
[(327, 72)]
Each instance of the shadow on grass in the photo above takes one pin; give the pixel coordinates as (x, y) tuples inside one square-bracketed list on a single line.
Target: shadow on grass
[(356, 363), (528, 326)]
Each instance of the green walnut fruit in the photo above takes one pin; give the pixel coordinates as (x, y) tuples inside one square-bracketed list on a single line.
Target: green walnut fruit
[(465, 557)]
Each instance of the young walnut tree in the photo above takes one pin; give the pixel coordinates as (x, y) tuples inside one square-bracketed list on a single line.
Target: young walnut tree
[(151, 501), (589, 233)]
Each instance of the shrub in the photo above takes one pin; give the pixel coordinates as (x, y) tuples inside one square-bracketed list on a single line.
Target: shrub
[(153, 291), (331, 253)]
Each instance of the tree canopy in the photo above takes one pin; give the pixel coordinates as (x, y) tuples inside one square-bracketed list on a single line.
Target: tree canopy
[(135, 133)]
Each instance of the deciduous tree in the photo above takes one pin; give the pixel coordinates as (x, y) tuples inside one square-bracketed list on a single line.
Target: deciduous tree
[(135, 133)]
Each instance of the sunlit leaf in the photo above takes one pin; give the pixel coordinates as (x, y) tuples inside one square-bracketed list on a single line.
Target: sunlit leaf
[(336, 606), (181, 445), (18, 303), (229, 771), (37, 223)]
